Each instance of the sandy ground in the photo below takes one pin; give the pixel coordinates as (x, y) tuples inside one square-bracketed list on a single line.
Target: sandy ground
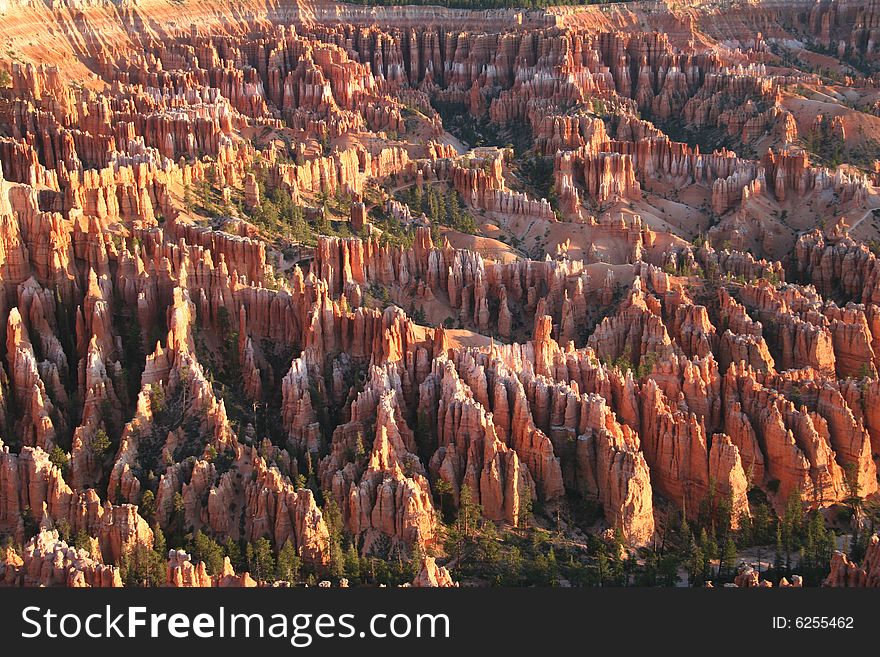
[(457, 337), (452, 140), (491, 249), (857, 125)]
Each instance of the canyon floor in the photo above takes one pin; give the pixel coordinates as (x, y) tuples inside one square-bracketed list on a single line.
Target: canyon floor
[(305, 292)]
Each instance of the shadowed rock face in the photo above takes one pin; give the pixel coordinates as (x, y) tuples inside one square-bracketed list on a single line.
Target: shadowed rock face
[(182, 351)]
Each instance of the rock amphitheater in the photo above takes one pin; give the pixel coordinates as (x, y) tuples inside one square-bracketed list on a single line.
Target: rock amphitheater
[(681, 312)]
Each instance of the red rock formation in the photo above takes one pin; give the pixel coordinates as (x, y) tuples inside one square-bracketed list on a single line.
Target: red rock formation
[(634, 331), (432, 575), (158, 344), (49, 561), (846, 573), (727, 474), (385, 491), (611, 468), (797, 451), (676, 449), (470, 452), (183, 573), (251, 192)]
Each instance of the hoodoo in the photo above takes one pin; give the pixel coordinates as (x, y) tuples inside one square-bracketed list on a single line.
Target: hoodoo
[(301, 291)]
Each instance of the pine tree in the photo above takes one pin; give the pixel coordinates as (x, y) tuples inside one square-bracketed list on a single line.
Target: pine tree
[(206, 549), (723, 515), (337, 560), (468, 512), (352, 564), (441, 209), (177, 521), (761, 524), (684, 530), (746, 535), (60, 459), (288, 566), (298, 228), (160, 547), (792, 521), (552, 568), (709, 548), (333, 518), (728, 557), (443, 491), (142, 567), (603, 571), (148, 505), (81, 541), (232, 550), (189, 201), (415, 562), (512, 567), (100, 444), (249, 557), (858, 544), (668, 566), (778, 561), (260, 559), (696, 561)]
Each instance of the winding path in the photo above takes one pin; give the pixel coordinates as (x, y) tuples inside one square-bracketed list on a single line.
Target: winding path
[(865, 216)]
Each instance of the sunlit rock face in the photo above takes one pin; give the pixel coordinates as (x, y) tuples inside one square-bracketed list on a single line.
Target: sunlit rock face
[(314, 280)]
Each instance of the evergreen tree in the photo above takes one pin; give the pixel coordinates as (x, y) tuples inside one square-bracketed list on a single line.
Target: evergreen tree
[(603, 569), (415, 562), (142, 567), (746, 535), (443, 491), (260, 559), (189, 200), (177, 521), (333, 518), (206, 549), (728, 558), (724, 515), (64, 529), (778, 560), (696, 562), (468, 512), (512, 566), (81, 541), (31, 526), (289, 564), (684, 530), (762, 525), (792, 521), (160, 547), (709, 548), (232, 550), (352, 564), (667, 568), (148, 505), (552, 568), (60, 459)]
